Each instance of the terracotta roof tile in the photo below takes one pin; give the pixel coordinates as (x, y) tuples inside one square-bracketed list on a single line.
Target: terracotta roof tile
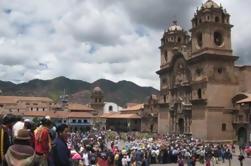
[(79, 107), (14, 99), (134, 107), (58, 114), (118, 115)]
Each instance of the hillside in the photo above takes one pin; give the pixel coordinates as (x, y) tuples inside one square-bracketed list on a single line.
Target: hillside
[(79, 91)]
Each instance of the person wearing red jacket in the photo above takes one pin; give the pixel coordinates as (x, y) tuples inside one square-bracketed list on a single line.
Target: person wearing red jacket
[(43, 142)]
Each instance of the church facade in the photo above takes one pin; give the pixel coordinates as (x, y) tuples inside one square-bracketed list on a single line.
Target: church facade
[(200, 84)]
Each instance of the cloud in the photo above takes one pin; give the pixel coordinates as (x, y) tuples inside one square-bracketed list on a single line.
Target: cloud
[(92, 39)]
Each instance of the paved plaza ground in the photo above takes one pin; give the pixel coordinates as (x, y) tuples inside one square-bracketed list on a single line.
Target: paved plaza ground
[(235, 162)]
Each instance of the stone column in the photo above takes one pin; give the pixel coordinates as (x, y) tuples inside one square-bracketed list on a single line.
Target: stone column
[(186, 125)]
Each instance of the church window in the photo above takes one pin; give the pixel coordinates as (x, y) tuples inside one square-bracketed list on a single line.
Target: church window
[(164, 81), (218, 38), (165, 56), (208, 18), (179, 39), (199, 39), (217, 19), (220, 70), (164, 98), (199, 71), (199, 94), (223, 127), (110, 108)]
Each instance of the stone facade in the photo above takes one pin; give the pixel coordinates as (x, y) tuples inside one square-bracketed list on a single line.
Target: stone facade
[(198, 77)]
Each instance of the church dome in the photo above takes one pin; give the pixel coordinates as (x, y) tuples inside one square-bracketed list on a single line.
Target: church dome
[(210, 4), (97, 90), (175, 27)]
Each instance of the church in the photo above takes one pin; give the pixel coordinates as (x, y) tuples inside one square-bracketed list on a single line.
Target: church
[(202, 90)]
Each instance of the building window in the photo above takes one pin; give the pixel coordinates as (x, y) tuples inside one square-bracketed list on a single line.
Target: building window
[(110, 108), (223, 127), (220, 70), (1, 106), (79, 121), (164, 98), (199, 94), (199, 71), (166, 56), (31, 108), (43, 109), (164, 81), (74, 121), (218, 38), (179, 39), (37, 109), (217, 19), (18, 110), (85, 121)]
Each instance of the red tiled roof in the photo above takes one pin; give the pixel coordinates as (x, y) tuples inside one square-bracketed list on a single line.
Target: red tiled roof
[(58, 114), (14, 99), (79, 107), (118, 115), (134, 107)]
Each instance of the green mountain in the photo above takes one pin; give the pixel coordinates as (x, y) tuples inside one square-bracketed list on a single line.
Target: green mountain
[(79, 91)]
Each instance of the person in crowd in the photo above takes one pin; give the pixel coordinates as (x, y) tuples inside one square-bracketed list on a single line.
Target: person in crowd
[(139, 157), (21, 153), (18, 125), (229, 156), (42, 142), (5, 135), (241, 157), (61, 153), (28, 126)]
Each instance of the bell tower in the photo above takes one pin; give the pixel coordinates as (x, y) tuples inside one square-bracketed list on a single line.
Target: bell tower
[(211, 30), (175, 38), (97, 100)]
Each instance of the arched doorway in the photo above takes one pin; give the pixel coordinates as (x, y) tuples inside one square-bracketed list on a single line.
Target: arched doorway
[(181, 126), (242, 136)]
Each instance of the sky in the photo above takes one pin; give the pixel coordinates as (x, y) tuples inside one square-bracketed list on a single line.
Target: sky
[(93, 39)]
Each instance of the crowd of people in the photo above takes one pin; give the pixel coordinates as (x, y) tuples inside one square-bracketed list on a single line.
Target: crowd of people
[(24, 144)]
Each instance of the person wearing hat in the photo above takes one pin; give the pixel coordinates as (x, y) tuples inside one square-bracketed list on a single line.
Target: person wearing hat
[(20, 153), (5, 134)]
